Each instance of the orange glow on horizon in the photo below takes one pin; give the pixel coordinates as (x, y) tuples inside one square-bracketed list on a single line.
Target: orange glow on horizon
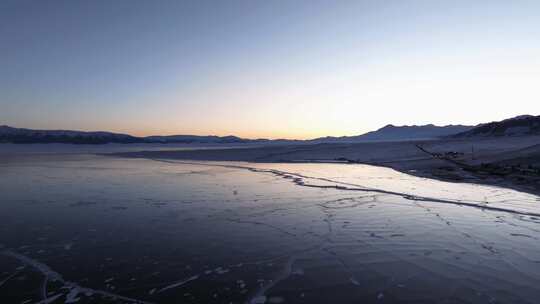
[(247, 135)]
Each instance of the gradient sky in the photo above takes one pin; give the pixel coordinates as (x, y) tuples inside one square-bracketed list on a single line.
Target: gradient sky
[(294, 69)]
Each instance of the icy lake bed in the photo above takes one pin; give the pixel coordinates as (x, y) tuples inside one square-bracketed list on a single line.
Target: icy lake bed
[(97, 229)]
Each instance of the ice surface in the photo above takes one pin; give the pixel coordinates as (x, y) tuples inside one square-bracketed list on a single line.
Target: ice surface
[(259, 233)]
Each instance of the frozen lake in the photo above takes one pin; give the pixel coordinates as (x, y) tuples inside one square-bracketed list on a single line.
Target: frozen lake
[(81, 228)]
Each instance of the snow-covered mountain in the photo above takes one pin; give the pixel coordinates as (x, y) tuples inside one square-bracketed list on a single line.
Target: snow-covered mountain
[(516, 126), (401, 133)]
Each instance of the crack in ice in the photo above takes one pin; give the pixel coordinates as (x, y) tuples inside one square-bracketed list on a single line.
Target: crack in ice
[(74, 288), (300, 180)]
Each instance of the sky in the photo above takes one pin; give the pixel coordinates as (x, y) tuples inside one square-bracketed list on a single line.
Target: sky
[(273, 69)]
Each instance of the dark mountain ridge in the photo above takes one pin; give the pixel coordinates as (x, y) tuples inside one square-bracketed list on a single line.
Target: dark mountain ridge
[(20, 135), (517, 126)]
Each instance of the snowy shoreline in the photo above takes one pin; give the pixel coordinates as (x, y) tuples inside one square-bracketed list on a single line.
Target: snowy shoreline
[(405, 157)]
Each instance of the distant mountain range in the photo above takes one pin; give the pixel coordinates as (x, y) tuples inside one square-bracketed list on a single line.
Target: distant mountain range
[(19, 135), (188, 139), (517, 126), (401, 133), (521, 125)]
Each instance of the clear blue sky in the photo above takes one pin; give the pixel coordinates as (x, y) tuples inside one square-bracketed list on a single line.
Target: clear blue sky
[(296, 69)]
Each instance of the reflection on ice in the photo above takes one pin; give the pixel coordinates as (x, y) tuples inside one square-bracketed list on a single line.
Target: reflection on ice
[(388, 181), (170, 232)]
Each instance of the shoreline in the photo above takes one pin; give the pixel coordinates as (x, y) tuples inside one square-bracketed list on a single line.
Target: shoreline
[(426, 159)]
